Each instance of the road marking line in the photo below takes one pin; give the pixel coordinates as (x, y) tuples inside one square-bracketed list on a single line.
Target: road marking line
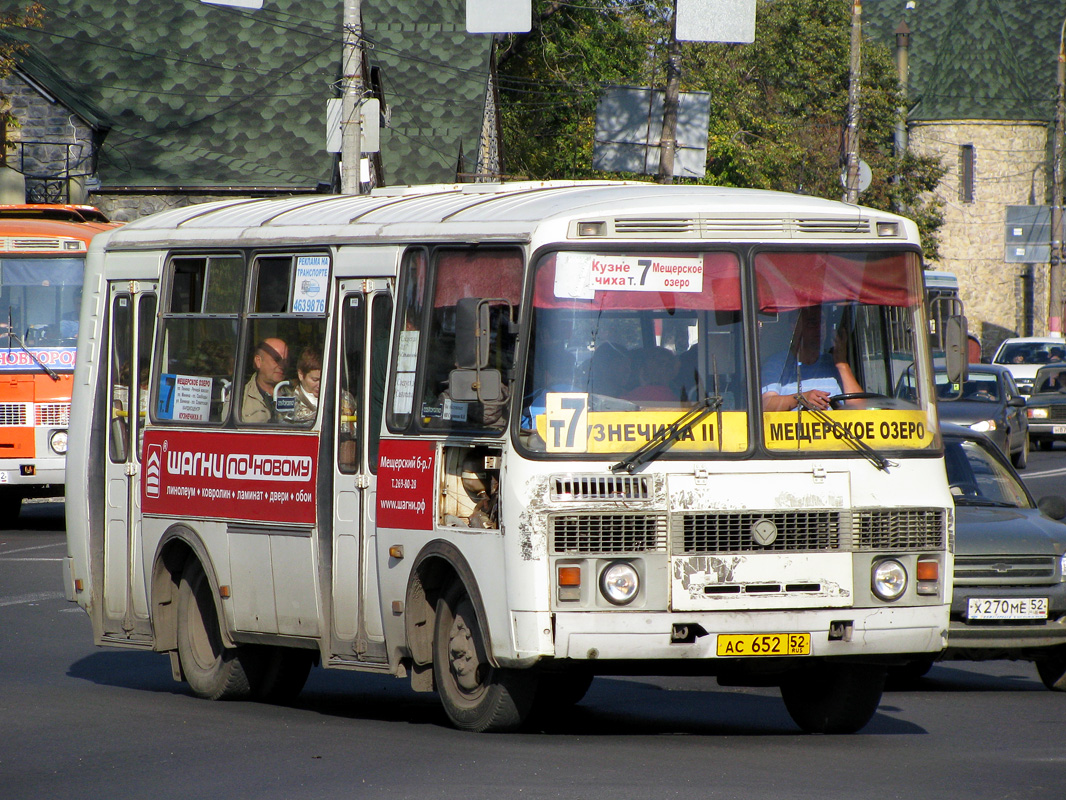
[(28, 549), (6, 559), (24, 599)]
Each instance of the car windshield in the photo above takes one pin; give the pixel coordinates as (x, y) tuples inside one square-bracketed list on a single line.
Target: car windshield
[(1031, 353), (1050, 380), (978, 388), (977, 477)]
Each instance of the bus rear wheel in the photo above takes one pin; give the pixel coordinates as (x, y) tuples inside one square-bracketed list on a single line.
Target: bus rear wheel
[(476, 696), (213, 671), (833, 698)]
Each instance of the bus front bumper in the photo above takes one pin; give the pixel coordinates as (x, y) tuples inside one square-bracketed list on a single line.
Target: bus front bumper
[(833, 632)]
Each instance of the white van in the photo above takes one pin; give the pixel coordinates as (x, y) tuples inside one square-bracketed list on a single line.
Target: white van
[(1024, 355)]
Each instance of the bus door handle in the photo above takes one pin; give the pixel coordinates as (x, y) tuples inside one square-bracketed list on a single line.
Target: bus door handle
[(362, 481), (131, 469)]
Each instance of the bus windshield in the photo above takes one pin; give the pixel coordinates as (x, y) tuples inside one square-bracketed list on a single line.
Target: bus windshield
[(623, 344), (39, 301)]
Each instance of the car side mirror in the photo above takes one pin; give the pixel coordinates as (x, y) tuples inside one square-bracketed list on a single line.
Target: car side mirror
[(1016, 402), (1053, 506)]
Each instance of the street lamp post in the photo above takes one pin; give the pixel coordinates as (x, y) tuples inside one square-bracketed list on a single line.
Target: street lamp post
[(1055, 288)]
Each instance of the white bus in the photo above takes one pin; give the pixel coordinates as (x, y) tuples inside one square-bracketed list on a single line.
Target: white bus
[(500, 439)]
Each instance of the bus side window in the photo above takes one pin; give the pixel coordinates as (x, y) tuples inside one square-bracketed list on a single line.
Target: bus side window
[(352, 357), (496, 275), (198, 339)]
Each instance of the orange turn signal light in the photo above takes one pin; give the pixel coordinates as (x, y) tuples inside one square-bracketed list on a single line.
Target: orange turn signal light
[(569, 576), (928, 570)]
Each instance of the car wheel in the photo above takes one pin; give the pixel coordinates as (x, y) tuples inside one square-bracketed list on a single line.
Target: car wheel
[(1052, 669), (1021, 458)]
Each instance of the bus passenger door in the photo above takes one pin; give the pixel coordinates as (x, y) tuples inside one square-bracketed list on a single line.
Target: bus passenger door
[(365, 320), (132, 324)]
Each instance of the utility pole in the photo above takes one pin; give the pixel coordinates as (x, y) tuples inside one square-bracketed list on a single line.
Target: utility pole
[(668, 140), (852, 133), (352, 66), (1055, 278)]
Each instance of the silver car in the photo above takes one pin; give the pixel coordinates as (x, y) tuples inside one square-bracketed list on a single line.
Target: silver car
[(1009, 597)]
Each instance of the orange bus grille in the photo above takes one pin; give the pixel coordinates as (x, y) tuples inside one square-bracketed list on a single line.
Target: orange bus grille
[(53, 415), (15, 414)]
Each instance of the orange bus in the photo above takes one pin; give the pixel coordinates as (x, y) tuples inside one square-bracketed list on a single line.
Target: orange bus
[(42, 263)]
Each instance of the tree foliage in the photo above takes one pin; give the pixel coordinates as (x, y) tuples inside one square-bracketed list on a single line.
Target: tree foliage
[(779, 106)]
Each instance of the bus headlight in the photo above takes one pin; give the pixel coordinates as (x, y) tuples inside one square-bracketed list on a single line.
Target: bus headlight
[(619, 583), (889, 579), (58, 442)]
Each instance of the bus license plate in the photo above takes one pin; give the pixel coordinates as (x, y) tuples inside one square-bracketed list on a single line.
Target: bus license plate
[(764, 644), (1003, 608)]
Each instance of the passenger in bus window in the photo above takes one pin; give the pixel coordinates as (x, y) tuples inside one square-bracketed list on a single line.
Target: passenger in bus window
[(270, 360), (609, 370), (309, 381), (806, 371)]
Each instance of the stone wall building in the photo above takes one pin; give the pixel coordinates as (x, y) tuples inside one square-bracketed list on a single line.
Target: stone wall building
[(980, 82)]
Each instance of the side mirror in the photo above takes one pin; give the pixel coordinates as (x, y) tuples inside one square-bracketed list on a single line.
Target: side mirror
[(481, 385), (956, 354), (1016, 402), (471, 333)]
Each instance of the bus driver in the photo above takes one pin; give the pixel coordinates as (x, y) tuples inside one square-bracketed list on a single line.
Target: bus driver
[(807, 372)]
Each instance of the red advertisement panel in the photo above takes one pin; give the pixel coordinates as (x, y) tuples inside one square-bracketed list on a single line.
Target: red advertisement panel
[(405, 484), (259, 477)]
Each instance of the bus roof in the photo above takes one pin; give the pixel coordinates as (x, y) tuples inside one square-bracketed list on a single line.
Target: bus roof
[(55, 211), (48, 230), (940, 279), (514, 211)]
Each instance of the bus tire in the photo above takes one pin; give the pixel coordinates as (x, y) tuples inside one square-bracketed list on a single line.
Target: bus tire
[(213, 671), (10, 505), (1052, 668), (833, 698), (476, 696)]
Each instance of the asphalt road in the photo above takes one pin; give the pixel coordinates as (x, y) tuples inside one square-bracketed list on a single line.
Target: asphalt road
[(79, 721)]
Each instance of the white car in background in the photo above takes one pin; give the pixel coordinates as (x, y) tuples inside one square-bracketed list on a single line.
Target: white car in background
[(1024, 355)]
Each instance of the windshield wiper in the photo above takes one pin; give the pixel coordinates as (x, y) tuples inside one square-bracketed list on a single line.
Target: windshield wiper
[(842, 432), (669, 434), (982, 501), (18, 339)]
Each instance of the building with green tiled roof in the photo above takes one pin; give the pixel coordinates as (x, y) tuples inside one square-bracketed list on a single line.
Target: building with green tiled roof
[(981, 87), (186, 100)]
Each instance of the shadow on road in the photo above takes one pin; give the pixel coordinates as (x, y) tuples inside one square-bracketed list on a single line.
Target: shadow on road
[(613, 706), (40, 515)]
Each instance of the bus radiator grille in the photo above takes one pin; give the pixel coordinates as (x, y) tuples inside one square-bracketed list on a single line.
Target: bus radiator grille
[(607, 533), (732, 532), (54, 415), (898, 528), (14, 414)]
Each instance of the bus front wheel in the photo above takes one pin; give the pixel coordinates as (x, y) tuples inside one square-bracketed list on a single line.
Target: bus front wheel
[(213, 671), (476, 696), (833, 698)]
